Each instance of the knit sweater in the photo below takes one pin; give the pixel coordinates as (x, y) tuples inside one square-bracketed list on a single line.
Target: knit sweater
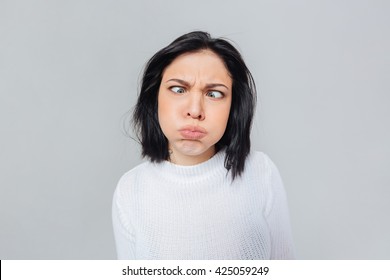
[(169, 211)]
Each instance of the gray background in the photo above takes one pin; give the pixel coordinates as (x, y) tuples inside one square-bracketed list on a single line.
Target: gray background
[(69, 73)]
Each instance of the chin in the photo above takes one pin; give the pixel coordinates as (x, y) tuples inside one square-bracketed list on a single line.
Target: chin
[(192, 151)]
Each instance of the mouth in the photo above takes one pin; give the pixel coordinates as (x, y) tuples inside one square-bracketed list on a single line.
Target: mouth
[(192, 132)]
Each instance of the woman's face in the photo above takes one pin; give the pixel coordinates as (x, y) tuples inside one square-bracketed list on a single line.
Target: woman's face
[(194, 102)]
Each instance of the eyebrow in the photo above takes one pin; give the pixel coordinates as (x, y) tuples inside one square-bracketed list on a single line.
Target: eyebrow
[(187, 84)]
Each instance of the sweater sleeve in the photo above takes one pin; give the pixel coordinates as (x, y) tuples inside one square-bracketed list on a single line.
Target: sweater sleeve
[(278, 217), (123, 233)]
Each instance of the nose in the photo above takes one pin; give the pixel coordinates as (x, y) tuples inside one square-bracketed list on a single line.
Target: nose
[(195, 108)]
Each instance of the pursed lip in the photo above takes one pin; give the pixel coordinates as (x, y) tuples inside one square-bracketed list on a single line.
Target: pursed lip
[(192, 132)]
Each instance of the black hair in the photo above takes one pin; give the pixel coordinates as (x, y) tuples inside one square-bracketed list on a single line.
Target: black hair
[(236, 139)]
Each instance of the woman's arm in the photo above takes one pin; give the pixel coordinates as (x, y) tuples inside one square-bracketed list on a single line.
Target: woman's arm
[(124, 237), (278, 217)]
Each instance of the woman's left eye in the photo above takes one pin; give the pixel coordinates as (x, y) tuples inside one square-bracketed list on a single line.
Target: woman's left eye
[(215, 94)]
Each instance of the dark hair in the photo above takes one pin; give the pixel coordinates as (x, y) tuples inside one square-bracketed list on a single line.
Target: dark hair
[(236, 138)]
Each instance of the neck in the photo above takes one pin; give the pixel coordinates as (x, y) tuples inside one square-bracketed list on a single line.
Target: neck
[(180, 159)]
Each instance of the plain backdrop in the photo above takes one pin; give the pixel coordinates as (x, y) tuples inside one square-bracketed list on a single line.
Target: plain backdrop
[(69, 75)]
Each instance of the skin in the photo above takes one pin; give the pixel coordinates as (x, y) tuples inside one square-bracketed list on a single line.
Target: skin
[(194, 102)]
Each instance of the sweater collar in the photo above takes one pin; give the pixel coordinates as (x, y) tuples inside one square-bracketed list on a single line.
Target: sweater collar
[(193, 173)]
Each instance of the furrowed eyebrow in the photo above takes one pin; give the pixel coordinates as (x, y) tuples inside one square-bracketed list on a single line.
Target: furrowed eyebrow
[(187, 84), (216, 85), (182, 82)]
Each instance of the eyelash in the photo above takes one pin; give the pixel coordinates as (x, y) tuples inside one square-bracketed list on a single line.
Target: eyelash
[(216, 91), (180, 88), (183, 89)]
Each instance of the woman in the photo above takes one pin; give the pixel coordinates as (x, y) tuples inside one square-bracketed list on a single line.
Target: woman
[(202, 194)]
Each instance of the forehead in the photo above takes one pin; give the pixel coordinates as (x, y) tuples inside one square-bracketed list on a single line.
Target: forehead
[(202, 64)]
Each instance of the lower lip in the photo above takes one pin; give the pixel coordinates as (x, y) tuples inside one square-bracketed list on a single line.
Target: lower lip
[(192, 135)]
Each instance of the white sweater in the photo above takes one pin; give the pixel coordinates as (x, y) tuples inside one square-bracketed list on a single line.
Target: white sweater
[(168, 211)]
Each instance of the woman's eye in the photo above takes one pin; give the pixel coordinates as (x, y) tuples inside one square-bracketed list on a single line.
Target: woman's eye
[(177, 89), (215, 94)]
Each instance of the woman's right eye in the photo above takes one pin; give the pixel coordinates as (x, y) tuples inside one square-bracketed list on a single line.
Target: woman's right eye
[(177, 89)]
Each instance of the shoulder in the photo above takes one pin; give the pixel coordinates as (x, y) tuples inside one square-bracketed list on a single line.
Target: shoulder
[(129, 181), (133, 173), (261, 169), (260, 161)]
